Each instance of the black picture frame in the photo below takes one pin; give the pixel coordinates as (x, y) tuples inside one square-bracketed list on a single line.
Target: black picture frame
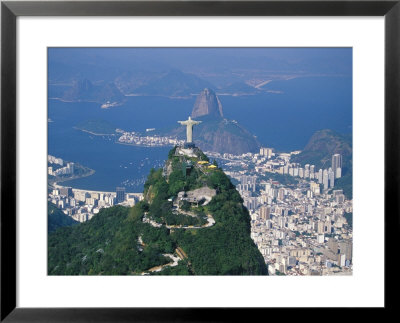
[(10, 10)]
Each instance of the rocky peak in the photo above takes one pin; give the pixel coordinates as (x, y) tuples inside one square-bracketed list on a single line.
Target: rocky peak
[(207, 103)]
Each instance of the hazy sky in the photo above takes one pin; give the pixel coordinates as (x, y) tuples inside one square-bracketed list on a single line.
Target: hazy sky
[(204, 62)]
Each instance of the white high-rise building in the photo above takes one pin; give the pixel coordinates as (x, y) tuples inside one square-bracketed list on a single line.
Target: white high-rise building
[(325, 179), (70, 168), (331, 175), (267, 152), (314, 187), (337, 163), (320, 176), (281, 194), (307, 171), (341, 260), (312, 170), (265, 212)]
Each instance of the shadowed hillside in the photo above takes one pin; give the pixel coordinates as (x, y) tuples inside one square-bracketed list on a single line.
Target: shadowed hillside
[(191, 222)]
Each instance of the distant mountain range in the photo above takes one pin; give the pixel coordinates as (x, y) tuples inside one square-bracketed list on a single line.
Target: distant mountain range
[(219, 66), (85, 90), (175, 83)]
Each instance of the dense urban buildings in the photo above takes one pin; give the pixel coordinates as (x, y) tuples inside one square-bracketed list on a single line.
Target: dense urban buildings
[(133, 138), (82, 205), (300, 223)]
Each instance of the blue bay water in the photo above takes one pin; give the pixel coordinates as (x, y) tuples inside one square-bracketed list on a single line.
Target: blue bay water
[(114, 164), (284, 121), (287, 120)]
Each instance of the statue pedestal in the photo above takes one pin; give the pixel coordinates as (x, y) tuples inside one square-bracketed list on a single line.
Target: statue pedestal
[(189, 145), (183, 151)]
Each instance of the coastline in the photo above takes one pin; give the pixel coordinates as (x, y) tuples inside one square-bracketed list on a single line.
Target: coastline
[(122, 143), (148, 146), (54, 183)]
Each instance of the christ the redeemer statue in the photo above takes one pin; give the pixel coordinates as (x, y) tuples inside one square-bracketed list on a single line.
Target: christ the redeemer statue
[(189, 128)]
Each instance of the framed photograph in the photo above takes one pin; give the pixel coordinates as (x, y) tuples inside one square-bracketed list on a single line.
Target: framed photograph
[(189, 155)]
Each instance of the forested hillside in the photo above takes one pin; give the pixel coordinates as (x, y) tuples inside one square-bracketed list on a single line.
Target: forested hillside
[(210, 238), (57, 219)]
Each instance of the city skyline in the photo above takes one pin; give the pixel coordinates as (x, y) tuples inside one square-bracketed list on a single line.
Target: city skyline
[(277, 122)]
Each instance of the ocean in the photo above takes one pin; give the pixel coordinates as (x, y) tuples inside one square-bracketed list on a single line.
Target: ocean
[(284, 119)]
